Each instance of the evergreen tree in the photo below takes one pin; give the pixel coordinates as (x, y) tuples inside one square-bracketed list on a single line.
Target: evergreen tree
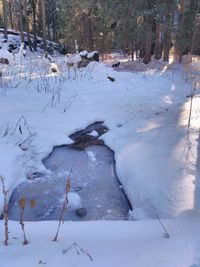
[(150, 27)]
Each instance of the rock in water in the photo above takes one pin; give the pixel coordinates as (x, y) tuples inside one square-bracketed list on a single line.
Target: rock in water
[(82, 212)]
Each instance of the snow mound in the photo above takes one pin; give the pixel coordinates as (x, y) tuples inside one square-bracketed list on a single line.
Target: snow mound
[(91, 54), (84, 53), (91, 155), (5, 54), (98, 71), (10, 168), (74, 200), (139, 66)]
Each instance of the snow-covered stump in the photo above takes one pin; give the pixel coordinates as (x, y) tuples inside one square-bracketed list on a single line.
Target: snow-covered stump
[(88, 57)]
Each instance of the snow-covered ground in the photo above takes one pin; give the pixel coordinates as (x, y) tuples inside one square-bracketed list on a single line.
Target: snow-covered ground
[(156, 161), (109, 244)]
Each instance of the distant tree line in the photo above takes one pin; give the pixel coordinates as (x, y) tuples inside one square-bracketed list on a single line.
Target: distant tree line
[(147, 27)]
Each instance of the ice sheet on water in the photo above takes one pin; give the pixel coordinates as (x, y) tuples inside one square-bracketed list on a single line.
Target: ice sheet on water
[(93, 186)]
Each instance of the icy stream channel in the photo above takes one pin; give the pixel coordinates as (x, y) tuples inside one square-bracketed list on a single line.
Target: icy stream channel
[(95, 189)]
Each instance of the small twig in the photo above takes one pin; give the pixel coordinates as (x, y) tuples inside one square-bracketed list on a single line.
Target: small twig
[(191, 103), (21, 119), (64, 207), (166, 235), (73, 165), (78, 250), (15, 86), (69, 102), (22, 225), (22, 204), (189, 145), (43, 110), (5, 210)]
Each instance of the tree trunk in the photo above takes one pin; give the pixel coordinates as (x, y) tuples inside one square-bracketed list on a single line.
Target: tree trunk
[(54, 20), (21, 21), (167, 36), (27, 24), (147, 39), (178, 42), (5, 14), (195, 28), (89, 30), (84, 32), (34, 25), (102, 46), (48, 30), (183, 5), (87, 35), (11, 15), (44, 24), (39, 17), (166, 45), (158, 45), (54, 28), (132, 50)]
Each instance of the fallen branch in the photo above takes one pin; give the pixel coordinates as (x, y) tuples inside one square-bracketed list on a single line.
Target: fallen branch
[(191, 103)]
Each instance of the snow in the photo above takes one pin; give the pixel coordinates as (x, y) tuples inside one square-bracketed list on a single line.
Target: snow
[(157, 162), (84, 53), (117, 244), (72, 58), (6, 54), (74, 200), (91, 54), (94, 133), (10, 166), (91, 155)]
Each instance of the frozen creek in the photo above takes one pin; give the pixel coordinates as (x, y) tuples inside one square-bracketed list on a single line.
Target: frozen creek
[(95, 189)]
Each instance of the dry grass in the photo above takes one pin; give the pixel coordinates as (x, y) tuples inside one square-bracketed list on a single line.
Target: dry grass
[(64, 207), (22, 204)]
